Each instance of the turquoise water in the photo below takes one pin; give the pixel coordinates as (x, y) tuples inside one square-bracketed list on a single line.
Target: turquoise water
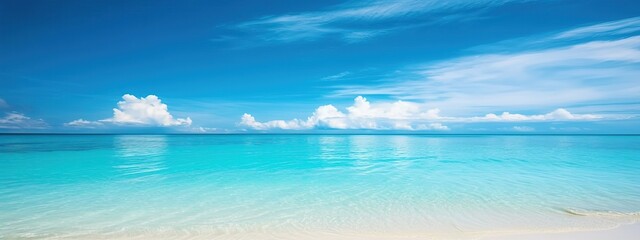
[(314, 186)]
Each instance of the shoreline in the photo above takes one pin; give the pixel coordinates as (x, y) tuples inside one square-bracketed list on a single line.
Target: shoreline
[(628, 231)]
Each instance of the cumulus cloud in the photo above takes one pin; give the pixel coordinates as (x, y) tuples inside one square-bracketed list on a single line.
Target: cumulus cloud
[(399, 115), (3, 103), (326, 116), (16, 120), (146, 111)]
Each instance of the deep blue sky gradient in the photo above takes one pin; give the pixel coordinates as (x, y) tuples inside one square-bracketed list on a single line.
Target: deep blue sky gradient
[(65, 60)]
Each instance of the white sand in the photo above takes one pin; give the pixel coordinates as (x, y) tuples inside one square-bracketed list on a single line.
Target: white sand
[(624, 232)]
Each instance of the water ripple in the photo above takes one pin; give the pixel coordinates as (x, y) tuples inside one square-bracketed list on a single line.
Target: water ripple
[(315, 186)]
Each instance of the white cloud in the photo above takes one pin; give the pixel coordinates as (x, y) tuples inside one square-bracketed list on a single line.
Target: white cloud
[(373, 14), (592, 72), (250, 121), (81, 123), (559, 114), (523, 129), (147, 111), (336, 76), (3, 103), (16, 120), (359, 116), (206, 130), (324, 116), (402, 115), (624, 26), (432, 126)]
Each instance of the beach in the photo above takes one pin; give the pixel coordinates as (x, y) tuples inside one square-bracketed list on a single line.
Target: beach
[(624, 232), (320, 120)]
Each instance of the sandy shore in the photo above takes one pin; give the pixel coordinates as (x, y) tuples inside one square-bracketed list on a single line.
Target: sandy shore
[(624, 232)]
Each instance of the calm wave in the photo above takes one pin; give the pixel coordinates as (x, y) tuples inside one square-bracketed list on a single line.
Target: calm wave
[(314, 186)]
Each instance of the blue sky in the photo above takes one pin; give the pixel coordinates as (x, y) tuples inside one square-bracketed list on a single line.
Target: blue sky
[(481, 66)]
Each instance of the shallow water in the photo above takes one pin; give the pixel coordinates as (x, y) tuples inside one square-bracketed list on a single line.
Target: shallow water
[(314, 186)]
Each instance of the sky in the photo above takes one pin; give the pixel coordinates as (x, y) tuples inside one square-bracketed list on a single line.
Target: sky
[(360, 66)]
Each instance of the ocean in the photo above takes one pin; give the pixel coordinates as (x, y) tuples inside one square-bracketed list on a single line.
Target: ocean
[(315, 186)]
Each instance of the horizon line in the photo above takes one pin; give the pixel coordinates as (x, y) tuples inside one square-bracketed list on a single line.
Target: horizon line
[(354, 134)]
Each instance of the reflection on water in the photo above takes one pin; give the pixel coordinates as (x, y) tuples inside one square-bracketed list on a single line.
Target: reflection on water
[(401, 151), (316, 186), (362, 154), (382, 155), (330, 147), (140, 157)]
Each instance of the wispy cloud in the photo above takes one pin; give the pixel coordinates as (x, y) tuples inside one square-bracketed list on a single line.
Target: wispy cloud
[(206, 130), (523, 129), (575, 73), (15, 120), (624, 26), (401, 115), (559, 114), (81, 123), (360, 20), (336, 76)]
